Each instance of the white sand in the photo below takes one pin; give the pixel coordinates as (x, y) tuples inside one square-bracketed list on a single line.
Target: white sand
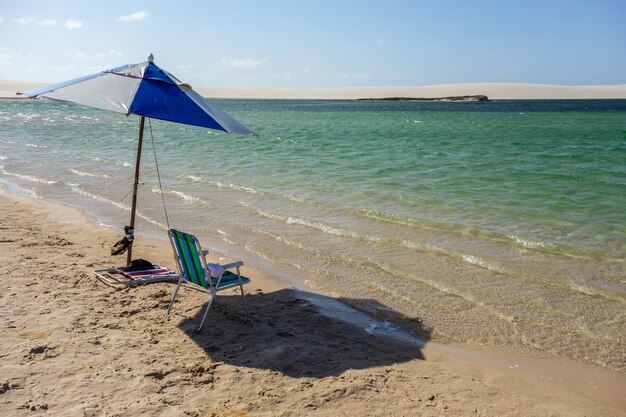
[(492, 90), (71, 346)]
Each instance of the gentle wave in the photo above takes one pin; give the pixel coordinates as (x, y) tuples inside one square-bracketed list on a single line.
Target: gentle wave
[(193, 178), (585, 289), (331, 230), (461, 257), (235, 187), (372, 266), (28, 192), (76, 189), (595, 291), (406, 221), (222, 185), (446, 289), (531, 244), (284, 240), (294, 198), (527, 243), (31, 178), (186, 197), (27, 117), (247, 189), (225, 236), (475, 260), (88, 174), (413, 245), (255, 252), (34, 145)]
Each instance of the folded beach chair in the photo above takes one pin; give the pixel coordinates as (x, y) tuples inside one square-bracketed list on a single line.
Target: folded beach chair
[(133, 275), (193, 267)]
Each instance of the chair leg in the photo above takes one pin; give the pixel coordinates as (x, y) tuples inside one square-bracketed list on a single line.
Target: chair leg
[(245, 303), (169, 308), (206, 312)]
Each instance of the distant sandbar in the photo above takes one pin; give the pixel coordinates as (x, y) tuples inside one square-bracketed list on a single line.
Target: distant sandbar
[(450, 98)]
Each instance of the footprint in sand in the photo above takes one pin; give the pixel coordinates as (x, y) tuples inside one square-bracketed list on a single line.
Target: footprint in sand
[(42, 352)]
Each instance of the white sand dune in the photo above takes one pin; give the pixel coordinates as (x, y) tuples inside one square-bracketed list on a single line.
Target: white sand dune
[(8, 89), (491, 90)]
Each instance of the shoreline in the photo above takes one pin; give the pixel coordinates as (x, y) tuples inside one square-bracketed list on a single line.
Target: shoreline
[(495, 91), (513, 372)]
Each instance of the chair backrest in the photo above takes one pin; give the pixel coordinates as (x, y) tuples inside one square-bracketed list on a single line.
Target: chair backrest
[(189, 257)]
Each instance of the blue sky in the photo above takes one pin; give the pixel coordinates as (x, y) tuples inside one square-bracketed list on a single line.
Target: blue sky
[(322, 43)]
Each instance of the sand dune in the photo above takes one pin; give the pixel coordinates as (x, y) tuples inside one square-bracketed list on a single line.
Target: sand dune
[(492, 90)]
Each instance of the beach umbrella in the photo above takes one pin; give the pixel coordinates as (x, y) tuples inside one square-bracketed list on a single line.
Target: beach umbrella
[(145, 90)]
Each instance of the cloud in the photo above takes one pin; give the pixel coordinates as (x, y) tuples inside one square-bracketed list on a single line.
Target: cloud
[(6, 57), (72, 24), (345, 76), (135, 16), (81, 55), (24, 20), (246, 62), (47, 22), (380, 41), (113, 52), (78, 55), (1, 20)]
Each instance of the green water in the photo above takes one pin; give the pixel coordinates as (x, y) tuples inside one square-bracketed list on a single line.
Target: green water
[(499, 222)]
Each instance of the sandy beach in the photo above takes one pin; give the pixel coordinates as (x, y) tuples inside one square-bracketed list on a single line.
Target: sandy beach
[(72, 346), (495, 91), (425, 199)]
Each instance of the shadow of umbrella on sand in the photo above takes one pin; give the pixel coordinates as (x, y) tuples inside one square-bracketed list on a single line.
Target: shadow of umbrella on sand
[(145, 90), (292, 334)]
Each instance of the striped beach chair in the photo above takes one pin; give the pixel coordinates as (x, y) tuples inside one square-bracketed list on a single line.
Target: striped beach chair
[(193, 268)]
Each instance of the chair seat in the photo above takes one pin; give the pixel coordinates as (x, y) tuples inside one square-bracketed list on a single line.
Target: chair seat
[(229, 279)]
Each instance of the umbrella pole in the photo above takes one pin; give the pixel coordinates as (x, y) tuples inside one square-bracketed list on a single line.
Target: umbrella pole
[(135, 184)]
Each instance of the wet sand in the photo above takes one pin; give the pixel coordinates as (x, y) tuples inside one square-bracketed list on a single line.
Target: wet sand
[(72, 346)]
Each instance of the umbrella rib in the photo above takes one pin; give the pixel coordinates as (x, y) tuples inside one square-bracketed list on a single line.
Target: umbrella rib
[(152, 79)]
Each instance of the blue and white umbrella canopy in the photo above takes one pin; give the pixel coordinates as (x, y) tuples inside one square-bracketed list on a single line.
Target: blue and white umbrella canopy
[(146, 90)]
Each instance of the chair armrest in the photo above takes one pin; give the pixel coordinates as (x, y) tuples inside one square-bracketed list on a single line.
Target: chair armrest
[(205, 252), (233, 265)]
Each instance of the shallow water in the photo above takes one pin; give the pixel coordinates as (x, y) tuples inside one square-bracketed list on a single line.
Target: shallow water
[(499, 222)]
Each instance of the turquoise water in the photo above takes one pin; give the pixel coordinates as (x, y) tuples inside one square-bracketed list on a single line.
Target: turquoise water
[(499, 222)]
